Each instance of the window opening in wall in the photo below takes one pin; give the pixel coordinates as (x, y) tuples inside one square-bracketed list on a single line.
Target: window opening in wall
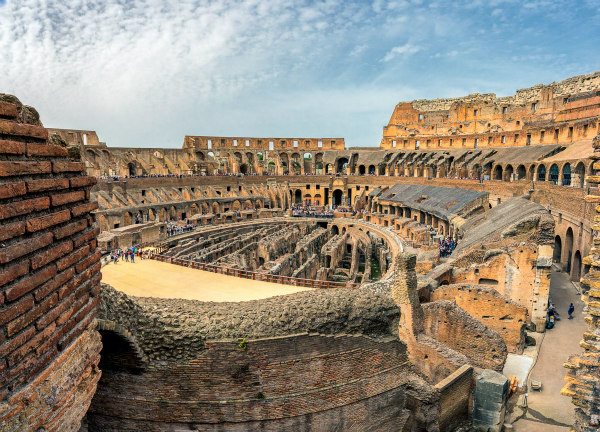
[(464, 142), (503, 139), (534, 107), (247, 143), (222, 142), (417, 144), (421, 117), (332, 142), (489, 140), (428, 143), (405, 143), (556, 134), (235, 143), (228, 188), (504, 110), (307, 186), (516, 137), (475, 112), (518, 122), (439, 143), (394, 143), (295, 143), (585, 129), (357, 187), (528, 139), (476, 143), (542, 135), (366, 187), (319, 143), (565, 100), (259, 142), (143, 192), (282, 143), (271, 145), (209, 144), (239, 188), (451, 142), (570, 132)]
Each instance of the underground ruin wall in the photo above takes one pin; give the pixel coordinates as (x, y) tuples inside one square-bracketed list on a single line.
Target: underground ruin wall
[(49, 279)]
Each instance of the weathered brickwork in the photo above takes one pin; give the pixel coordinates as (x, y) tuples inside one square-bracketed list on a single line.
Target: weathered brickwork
[(48, 290), (583, 376)]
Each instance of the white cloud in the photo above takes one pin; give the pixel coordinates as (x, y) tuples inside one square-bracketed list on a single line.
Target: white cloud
[(401, 51)]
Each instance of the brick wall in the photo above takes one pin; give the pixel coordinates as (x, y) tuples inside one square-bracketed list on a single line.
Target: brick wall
[(49, 277), (301, 382), (455, 394)]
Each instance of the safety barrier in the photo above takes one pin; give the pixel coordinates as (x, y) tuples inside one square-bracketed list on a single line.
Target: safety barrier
[(266, 277)]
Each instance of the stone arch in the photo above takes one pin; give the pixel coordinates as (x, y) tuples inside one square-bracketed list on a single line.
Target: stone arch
[(498, 172), (566, 174), (216, 208), (236, 205), (297, 196), (341, 165), (131, 169), (568, 249), (362, 170), (244, 169), (508, 172), (531, 172), (172, 213), (248, 205), (579, 178), (576, 271), (541, 172), (120, 351), (553, 174), (521, 172), (337, 197), (371, 169), (557, 251)]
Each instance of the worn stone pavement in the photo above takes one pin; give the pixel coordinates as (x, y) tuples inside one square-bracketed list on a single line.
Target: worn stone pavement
[(548, 410)]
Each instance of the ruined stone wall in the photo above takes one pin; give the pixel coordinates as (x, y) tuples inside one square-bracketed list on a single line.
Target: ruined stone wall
[(565, 112), (49, 279), (582, 382), (452, 326), (489, 307)]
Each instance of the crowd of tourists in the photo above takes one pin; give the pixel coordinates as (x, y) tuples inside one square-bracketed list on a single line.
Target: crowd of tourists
[(447, 246), (175, 229), (127, 255), (304, 210)]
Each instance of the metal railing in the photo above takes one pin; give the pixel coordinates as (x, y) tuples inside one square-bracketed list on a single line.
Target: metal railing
[(265, 277)]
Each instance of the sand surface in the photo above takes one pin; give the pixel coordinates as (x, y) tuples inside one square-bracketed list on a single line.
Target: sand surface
[(150, 278)]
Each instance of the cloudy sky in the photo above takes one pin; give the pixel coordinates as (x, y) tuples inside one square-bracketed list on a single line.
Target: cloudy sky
[(146, 72)]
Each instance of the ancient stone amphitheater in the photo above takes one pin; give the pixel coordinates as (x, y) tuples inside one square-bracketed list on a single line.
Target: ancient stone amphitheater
[(383, 333)]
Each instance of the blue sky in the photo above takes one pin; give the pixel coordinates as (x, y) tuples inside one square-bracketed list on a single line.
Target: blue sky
[(146, 72)]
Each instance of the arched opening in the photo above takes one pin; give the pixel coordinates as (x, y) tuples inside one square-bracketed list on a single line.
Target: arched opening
[(319, 168), (556, 253), (566, 172), (541, 173), (127, 219), (244, 169), (576, 273), (382, 169), (521, 172), (579, 180), (271, 167), (569, 249), (498, 172), (371, 169), (342, 164), (298, 196), (362, 170), (508, 173), (118, 354), (335, 230), (553, 174), (131, 169), (337, 197)]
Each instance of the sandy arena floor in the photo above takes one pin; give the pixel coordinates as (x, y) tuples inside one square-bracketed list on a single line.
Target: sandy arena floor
[(150, 278)]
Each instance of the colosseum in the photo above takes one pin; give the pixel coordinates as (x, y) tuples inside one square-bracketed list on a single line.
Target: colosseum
[(294, 284)]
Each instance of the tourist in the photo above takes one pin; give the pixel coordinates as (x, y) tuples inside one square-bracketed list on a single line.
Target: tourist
[(571, 310)]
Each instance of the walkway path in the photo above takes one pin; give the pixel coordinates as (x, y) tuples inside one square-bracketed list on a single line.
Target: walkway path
[(150, 278), (548, 410)]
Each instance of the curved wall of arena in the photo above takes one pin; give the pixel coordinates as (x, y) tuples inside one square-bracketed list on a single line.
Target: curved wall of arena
[(299, 382)]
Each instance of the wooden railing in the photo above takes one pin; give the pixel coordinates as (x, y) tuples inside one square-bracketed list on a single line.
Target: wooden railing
[(266, 277)]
